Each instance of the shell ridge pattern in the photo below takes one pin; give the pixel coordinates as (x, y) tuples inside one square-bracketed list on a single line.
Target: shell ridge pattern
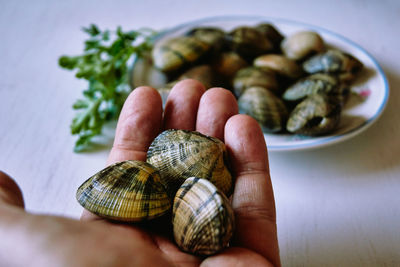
[(127, 191), (181, 196), (107, 199), (208, 217), (167, 49), (123, 181), (190, 156)]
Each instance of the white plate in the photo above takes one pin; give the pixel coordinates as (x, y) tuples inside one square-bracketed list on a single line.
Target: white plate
[(371, 90)]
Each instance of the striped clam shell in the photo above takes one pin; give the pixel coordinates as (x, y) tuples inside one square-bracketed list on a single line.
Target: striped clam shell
[(227, 64), (313, 84), (180, 154), (279, 64), (261, 104), (250, 42), (202, 73), (317, 114), (175, 53), (254, 76), (125, 191), (336, 62), (272, 34), (202, 218), (213, 36)]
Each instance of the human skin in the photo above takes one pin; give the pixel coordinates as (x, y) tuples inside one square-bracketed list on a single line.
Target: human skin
[(38, 240)]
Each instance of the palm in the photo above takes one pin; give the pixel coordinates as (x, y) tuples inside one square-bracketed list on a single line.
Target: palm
[(95, 241)]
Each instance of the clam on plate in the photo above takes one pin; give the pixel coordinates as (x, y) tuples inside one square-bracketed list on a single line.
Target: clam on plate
[(370, 91)]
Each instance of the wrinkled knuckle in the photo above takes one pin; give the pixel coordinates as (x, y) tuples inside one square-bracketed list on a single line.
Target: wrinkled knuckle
[(256, 212), (253, 168)]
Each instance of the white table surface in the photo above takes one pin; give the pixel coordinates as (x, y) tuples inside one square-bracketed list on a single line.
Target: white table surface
[(336, 206)]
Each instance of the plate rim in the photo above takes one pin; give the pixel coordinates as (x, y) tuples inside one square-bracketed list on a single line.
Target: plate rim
[(326, 140)]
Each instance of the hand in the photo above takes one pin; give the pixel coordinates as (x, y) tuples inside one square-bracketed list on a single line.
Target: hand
[(34, 240)]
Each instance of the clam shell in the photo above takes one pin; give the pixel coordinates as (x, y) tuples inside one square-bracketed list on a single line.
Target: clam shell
[(213, 36), (316, 83), (202, 218), (125, 191), (250, 42), (180, 154), (202, 73), (280, 64), (265, 107), (317, 114), (174, 53), (271, 33), (254, 76), (302, 44), (228, 64), (336, 62)]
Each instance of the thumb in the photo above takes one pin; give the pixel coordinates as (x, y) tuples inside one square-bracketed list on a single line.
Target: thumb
[(10, 194)]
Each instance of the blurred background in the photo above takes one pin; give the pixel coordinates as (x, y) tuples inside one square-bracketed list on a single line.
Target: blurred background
[(336, 206)]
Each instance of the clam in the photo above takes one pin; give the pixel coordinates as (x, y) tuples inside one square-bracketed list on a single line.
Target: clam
[(250, 42), (180, 154), (302, 44), (215, 37), (202, 218), (336, 62), (316, 83), (271, 33), (254, 76), (227, 64), (317, 114), (202, 73), (175, 53), (280, 64), (265, 107), (144, 72), (125, 191)]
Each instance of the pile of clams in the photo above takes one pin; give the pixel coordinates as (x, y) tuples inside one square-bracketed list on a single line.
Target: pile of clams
[(185, 176), (289, 84)]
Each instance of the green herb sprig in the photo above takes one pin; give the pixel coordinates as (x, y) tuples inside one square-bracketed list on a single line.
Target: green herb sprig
[(104, 64)]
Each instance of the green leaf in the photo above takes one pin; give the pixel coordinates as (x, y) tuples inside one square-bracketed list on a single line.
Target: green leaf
[(92, 30), (91, 44), (80, 104), (68, 62), (103, 64), (83, 142), (106, 35)]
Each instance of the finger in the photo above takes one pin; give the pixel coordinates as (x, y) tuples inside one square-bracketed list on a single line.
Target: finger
[(253, 198), (138, 124), (182, 104), (231, 257), (10, 194), (217, 105)]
